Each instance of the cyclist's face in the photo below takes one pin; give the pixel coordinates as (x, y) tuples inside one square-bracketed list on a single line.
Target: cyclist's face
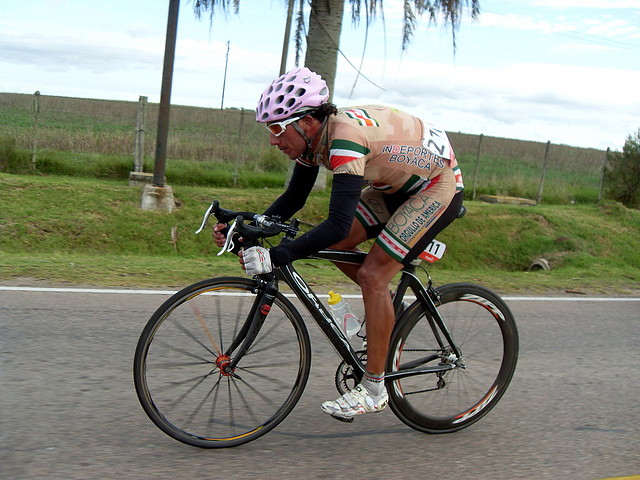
[(290, 142)]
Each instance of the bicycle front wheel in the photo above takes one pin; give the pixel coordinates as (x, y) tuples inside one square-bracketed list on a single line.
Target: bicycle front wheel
[(461, 390), (180, 362)]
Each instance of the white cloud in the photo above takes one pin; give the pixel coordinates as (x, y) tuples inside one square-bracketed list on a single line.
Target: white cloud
[(90, 49), (524, 22), (615, 28), (583, 4), (564, 104), (516, 75)]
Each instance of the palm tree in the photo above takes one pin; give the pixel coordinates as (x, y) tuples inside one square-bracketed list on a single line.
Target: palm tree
[(325, 24)]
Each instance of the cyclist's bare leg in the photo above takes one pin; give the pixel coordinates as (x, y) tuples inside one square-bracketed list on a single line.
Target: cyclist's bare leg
[(374, 277)]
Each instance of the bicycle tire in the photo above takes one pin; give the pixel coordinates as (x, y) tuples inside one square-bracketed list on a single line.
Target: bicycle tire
[(177, 365), (484, 329)]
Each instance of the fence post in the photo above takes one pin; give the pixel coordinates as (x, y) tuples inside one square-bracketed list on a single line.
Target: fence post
[(236, 166), (544, 172), (36, 110), (475, 176), (604, 174), (138, 163)]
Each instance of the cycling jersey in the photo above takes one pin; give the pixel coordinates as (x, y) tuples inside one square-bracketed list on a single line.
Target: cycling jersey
[(391, 152), (391, 149)]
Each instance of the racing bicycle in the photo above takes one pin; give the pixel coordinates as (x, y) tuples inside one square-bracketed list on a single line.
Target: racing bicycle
[(225, 360)]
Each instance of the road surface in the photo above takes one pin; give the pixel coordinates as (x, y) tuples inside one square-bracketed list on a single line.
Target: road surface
[(69, 410)]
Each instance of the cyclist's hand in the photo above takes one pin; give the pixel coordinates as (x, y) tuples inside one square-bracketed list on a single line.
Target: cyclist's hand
[(218, 236), (256, 260)]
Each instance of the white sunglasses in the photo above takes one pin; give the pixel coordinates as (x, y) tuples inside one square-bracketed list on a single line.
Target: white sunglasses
[(278, 128)]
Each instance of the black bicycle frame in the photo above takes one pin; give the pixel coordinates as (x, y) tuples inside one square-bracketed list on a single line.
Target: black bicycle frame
[(267, 286)]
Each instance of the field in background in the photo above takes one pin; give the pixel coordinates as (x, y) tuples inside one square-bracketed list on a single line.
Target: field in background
[(58, 229), (202, 139)]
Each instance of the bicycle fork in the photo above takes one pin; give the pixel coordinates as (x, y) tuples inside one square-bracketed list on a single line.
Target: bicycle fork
[(266, 289)]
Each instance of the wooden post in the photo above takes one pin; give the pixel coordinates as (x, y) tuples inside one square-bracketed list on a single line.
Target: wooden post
[(236, 163), (36, 110), (604, 174), (544, 171), (475, 176), (138, 165)]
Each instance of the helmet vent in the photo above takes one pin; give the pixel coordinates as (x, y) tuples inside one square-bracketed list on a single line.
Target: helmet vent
[(298, 90)]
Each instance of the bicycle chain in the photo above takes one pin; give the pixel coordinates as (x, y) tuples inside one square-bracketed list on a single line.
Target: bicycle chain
[(345, 380)]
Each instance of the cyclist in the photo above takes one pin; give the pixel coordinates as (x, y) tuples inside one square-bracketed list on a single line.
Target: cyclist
[(412, 190)]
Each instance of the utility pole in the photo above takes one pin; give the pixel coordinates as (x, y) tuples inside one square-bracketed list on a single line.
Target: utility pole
[(285, 43), (158, 196), (224, 81)]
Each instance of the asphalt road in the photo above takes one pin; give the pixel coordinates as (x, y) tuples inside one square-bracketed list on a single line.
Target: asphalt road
[(69, 410)]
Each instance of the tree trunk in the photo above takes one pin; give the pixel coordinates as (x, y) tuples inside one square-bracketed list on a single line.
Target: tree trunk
[(325, 24)]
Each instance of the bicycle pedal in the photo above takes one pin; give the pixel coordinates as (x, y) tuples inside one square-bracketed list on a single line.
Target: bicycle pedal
[(343, 419)]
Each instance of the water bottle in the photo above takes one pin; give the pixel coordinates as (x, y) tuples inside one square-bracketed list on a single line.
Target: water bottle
[(342, 315)]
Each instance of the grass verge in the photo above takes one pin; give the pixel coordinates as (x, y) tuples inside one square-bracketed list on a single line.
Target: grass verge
[(63, 230)]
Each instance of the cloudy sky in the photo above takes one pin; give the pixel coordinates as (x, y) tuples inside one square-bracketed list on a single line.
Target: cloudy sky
[(567, 71)]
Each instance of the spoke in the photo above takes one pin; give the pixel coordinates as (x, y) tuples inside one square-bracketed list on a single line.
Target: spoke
[(186, 331), (246, 404), (250, 370), (200, 379), (265, 335), (276, 344), (205, 327), (180, 364), (201, 404), (266, 399), (189, 387), (186, 352)]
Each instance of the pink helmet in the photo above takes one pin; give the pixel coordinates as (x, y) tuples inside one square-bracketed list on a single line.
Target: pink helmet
[(297, 90)]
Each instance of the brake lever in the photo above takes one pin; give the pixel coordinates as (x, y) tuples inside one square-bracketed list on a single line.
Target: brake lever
[(205, 219), (228, 244)]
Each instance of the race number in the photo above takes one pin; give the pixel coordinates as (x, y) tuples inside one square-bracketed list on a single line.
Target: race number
[(436, 141), (433, 252)]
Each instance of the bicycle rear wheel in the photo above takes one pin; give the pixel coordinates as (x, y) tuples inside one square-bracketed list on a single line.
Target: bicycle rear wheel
[(179, 362), (467, 388)]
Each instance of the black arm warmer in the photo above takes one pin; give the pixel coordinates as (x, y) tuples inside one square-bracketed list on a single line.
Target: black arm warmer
[(293, 199), (345, 194)]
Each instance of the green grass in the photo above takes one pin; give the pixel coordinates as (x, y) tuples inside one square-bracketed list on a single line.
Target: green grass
[(86, 137), (83, 231), (75, 220), (510, 177)]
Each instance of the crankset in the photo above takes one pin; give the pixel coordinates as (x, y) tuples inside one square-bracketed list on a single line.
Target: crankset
[(346, 379)]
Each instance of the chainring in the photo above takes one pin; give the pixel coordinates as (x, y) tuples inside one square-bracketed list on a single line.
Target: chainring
[(346, 379)]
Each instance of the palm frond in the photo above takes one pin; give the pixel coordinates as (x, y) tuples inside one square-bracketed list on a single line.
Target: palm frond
[(450, 11), (202, 6)]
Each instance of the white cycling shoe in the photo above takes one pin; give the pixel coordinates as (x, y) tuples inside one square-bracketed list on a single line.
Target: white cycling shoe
[(356, 402)]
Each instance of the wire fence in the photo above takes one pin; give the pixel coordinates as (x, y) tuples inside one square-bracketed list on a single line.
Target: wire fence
[(491, 165)]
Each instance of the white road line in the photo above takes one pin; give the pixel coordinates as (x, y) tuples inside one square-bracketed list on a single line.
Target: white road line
[(171, 292)]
